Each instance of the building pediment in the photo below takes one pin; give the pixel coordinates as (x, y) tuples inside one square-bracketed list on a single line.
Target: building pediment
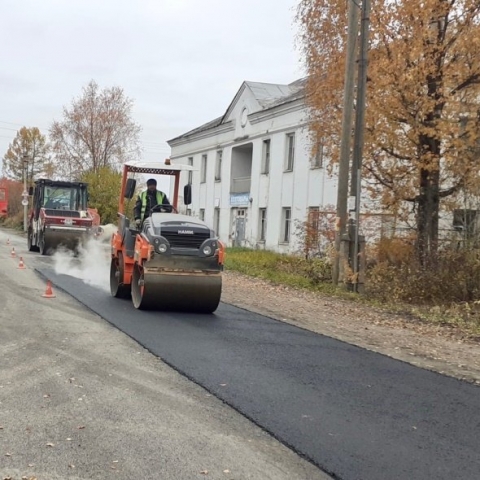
[(251, 98)]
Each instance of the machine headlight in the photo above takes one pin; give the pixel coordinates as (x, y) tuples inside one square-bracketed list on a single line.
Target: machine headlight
[(160, 246), (207, 250)]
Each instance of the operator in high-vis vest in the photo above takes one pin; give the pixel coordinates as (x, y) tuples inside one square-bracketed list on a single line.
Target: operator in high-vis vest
[(147, 200)]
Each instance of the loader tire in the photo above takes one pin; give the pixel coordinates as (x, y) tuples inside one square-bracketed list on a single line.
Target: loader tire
[(42, 244), (31, 246)]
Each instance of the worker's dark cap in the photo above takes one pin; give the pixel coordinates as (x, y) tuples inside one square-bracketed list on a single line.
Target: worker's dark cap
[(151, 181)]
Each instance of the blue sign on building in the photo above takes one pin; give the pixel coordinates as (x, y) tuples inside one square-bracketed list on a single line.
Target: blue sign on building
[(239, 199)]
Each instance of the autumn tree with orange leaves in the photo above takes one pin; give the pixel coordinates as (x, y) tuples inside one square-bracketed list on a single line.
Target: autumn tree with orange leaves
[(423, 100), (31, 143)]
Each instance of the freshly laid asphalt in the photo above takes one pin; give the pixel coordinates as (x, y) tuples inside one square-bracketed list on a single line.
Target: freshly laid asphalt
[(356, 414)]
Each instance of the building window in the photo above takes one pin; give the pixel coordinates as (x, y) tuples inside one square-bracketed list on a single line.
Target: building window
[(262, 224), (290, 152), (190, 174), (189, 212), (218, 166), (202, 214), (216, 221), (266, 156), (286, 220), (317, 160), (203, 169)]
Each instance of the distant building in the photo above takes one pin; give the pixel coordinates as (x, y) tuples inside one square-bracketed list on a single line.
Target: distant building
[(255, 176)]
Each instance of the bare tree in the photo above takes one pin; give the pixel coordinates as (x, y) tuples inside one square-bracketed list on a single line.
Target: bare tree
[(97, 131)]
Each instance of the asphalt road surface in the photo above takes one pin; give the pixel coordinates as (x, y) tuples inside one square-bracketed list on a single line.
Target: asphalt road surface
[(356, 414), (80, 400)]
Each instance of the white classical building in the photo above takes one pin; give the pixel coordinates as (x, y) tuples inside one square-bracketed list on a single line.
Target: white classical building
[(255, 175)]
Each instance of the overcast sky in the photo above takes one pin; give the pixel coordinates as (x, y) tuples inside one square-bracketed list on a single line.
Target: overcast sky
[(181, 61)]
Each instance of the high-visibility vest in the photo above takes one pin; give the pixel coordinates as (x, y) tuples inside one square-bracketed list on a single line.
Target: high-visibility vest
[(143, 197)]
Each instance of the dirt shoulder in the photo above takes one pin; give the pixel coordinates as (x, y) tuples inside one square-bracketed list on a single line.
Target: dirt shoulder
[(429, 346)]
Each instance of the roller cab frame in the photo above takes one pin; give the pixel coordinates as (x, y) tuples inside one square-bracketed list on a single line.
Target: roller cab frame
[(175, 261)]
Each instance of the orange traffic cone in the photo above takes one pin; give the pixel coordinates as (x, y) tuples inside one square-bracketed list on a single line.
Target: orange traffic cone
[(13, 254), (21, 265), (49, 292)]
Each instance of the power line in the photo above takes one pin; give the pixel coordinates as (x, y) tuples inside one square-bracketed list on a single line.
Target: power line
[(161, 152), (152, 149), (20, 125), (158, 145), (150, 146), (11, 123), (154, 145)]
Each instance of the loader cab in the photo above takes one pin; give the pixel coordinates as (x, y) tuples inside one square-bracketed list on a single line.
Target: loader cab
[(58, 196)]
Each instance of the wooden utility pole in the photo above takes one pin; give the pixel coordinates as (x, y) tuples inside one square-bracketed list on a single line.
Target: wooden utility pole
[(356, 184), (344, 163)]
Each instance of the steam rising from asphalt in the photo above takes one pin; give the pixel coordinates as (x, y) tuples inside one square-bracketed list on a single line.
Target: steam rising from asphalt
[(92, 264)]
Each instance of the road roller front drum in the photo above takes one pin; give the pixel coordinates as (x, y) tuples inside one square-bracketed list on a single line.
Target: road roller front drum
[(176, 292)]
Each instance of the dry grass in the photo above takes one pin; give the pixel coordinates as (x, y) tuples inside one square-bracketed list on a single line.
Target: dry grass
[(445, 293), (294, 271), (15, 221)]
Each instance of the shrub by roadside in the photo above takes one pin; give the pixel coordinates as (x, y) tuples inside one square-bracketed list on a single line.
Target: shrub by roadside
[(295, 271), (446, 291), (14, 221)]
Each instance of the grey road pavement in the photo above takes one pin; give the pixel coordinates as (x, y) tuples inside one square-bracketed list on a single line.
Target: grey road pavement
[(79, 399), (356, 414)]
